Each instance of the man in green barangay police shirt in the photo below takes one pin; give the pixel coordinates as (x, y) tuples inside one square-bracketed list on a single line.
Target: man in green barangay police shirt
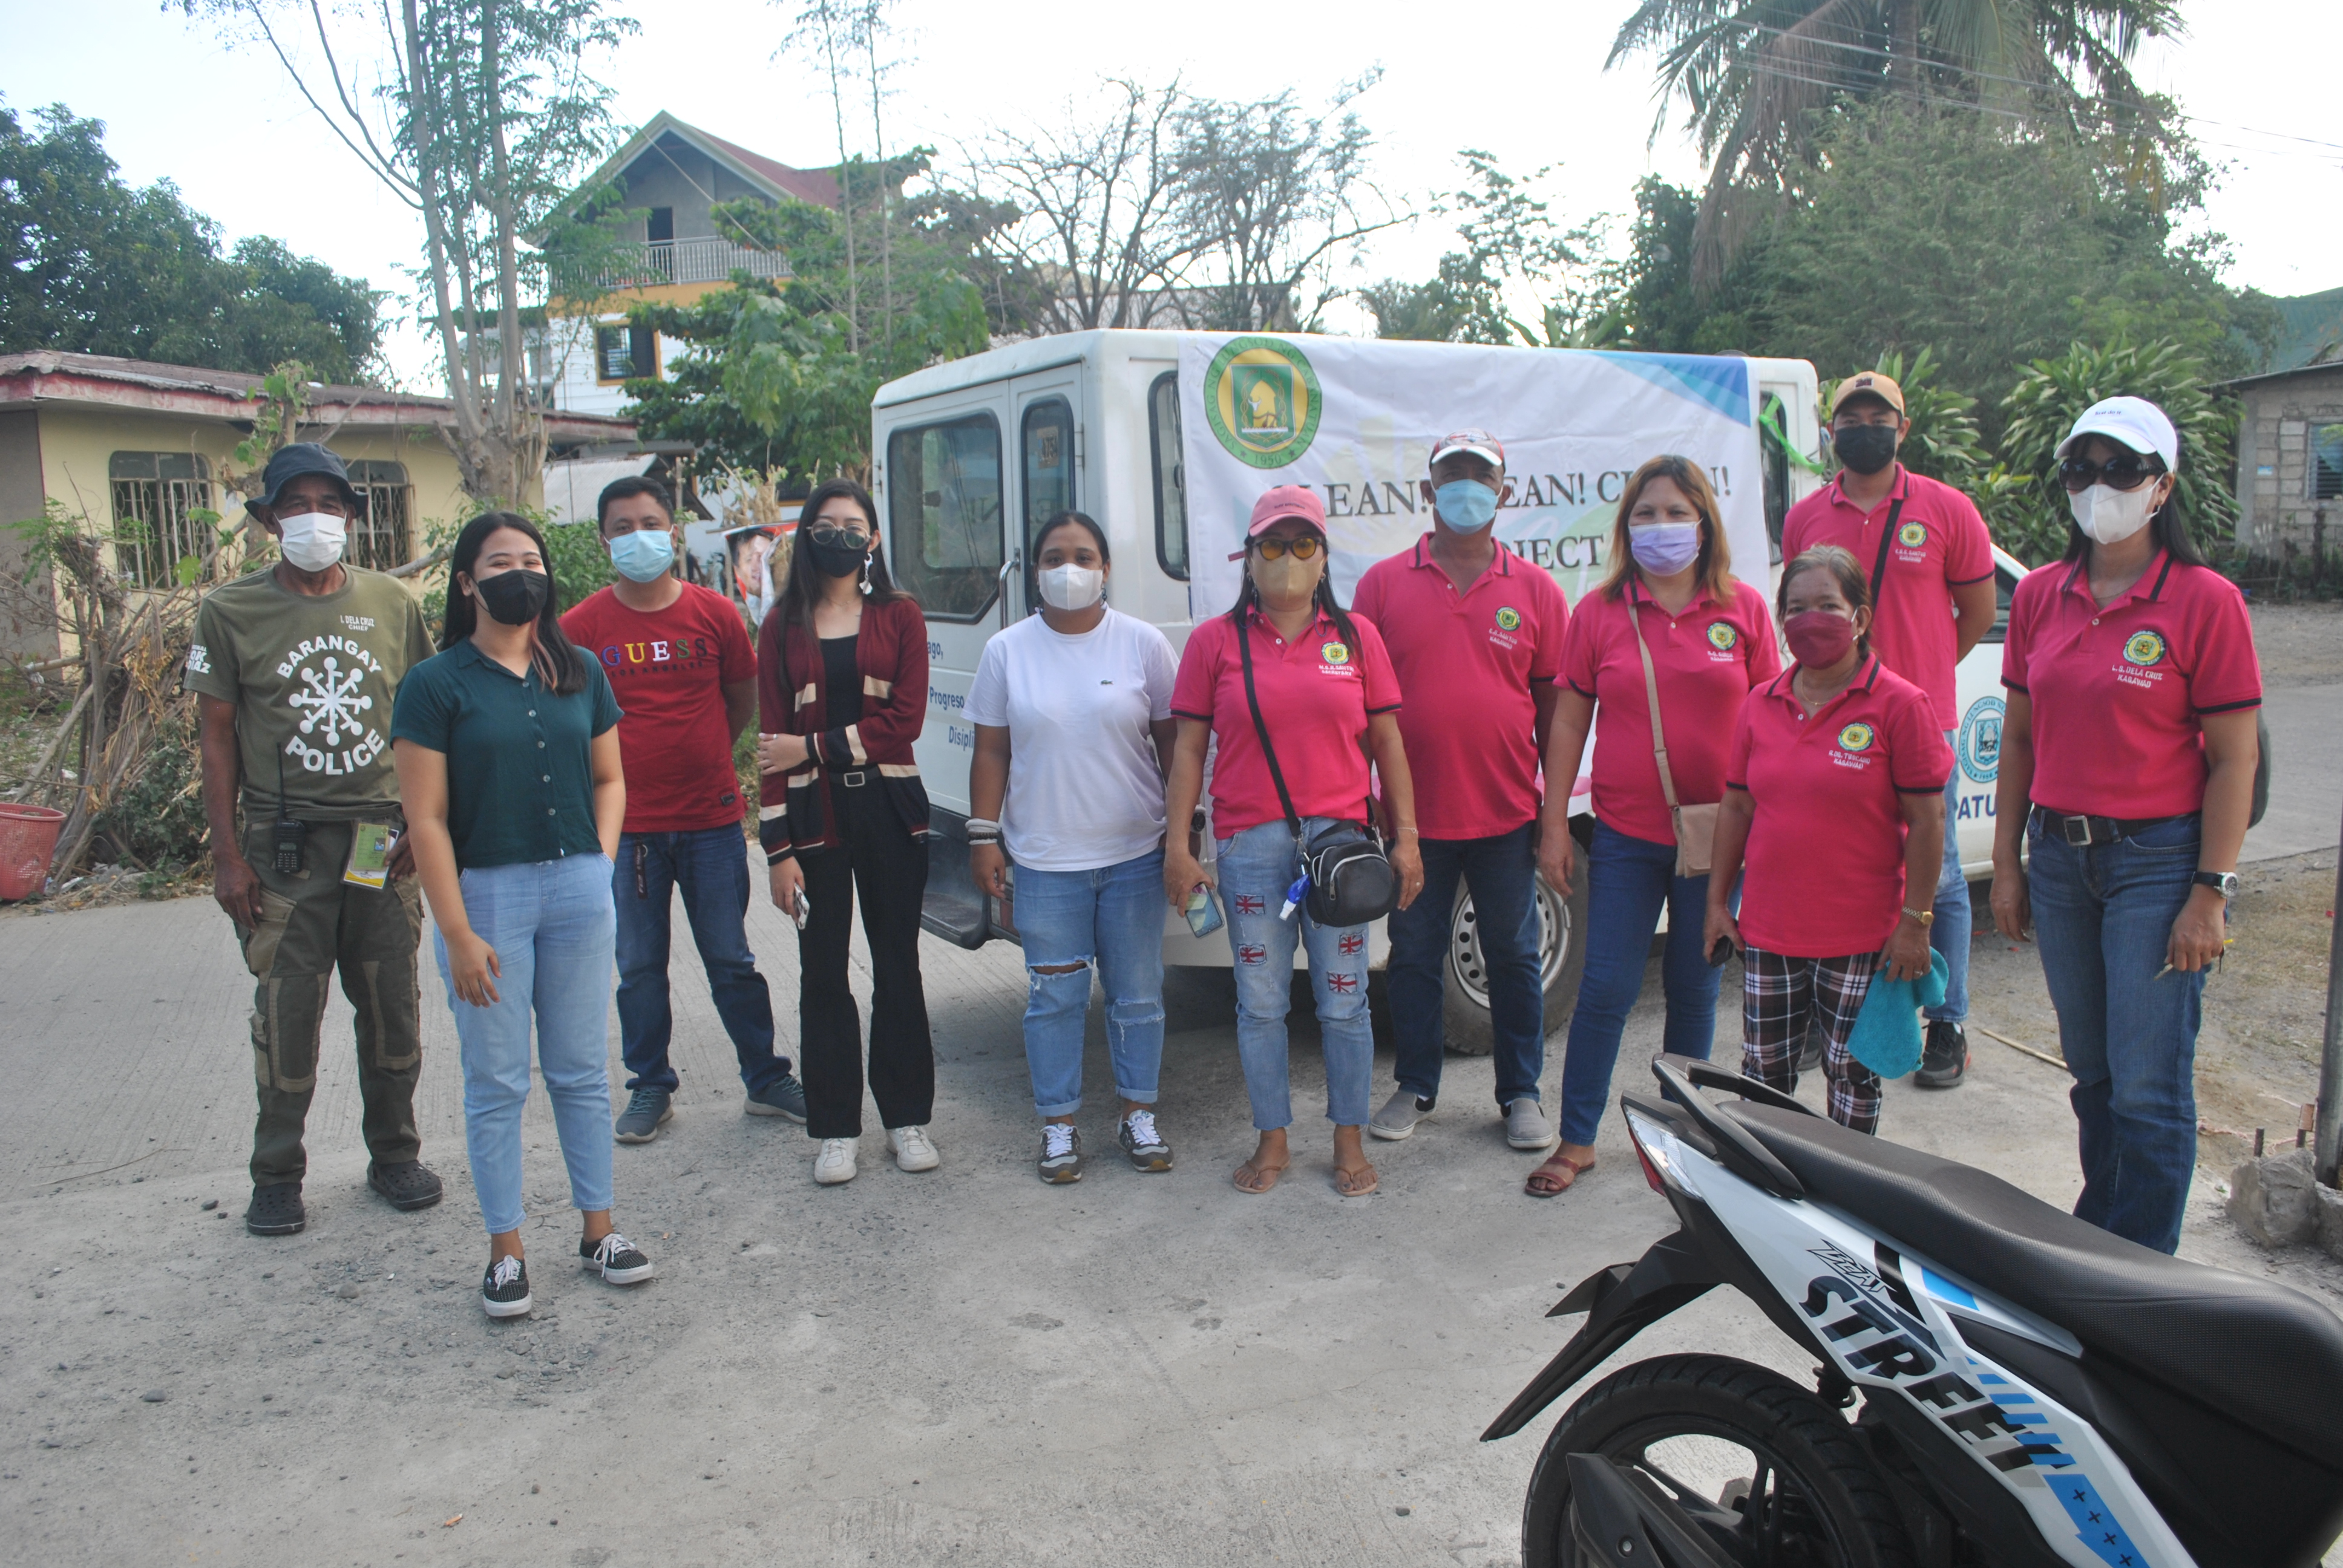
[(295, 669)]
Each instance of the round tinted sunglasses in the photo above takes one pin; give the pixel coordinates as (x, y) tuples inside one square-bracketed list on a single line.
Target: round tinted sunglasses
[(840, 538), (1271, 549), (2080, 474)]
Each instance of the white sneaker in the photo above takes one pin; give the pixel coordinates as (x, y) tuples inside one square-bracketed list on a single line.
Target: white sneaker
[(835, 1164), (912, 1150)]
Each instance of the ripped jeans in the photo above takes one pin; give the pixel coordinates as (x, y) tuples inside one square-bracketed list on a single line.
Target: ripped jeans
[(1110, 919)]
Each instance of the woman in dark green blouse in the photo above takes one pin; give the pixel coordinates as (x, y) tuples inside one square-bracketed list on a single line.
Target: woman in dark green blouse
[(507, 744)]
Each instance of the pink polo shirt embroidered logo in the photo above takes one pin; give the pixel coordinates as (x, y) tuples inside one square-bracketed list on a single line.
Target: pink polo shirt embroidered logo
[(1722, 638)]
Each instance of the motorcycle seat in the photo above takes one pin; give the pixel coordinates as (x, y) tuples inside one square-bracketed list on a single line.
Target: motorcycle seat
[(2254, 1351)]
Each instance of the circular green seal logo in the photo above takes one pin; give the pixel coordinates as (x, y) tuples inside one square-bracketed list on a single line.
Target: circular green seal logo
[(1913, 535), (2144, 648), (1855, 736), (1722, 635), (1509, 617), (1334, 652), (1260, 399)]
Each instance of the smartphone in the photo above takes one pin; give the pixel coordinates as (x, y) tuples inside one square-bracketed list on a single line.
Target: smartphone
[(1720, 952), (1203, 914), (804, 911)]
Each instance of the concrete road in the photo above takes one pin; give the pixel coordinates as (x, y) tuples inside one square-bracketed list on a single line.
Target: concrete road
[(965, 1367), (2306, 804)]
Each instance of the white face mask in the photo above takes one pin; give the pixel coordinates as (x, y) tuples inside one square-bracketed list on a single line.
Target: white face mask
[(313, 540), (2111, 515), (1072, 587)]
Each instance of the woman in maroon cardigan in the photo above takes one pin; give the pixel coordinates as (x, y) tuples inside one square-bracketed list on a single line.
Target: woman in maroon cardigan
[(842, 690)]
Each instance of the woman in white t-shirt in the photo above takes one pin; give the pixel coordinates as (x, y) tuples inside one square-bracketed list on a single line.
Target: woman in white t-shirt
[(1073, 709)]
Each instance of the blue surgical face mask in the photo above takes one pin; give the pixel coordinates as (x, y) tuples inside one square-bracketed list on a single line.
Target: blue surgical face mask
[(1665, 549), (644, 555), (1468, 506)]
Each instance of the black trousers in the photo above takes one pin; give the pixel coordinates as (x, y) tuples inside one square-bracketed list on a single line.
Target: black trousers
[(876, 857)]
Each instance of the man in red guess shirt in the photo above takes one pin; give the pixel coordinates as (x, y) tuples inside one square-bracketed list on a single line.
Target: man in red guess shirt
[(1930, 562), (680, 663)]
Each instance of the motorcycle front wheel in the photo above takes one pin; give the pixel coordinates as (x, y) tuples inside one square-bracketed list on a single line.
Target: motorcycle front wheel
[(1773, 1475)]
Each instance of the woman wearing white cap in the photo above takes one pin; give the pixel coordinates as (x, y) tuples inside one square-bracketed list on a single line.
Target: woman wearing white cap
[(2127, 765)]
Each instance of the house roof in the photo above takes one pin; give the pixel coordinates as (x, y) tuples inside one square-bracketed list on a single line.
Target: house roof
[(2323, 368), (774, 177), (47, 377)]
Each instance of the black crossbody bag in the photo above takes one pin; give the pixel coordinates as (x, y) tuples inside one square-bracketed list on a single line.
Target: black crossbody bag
[(1351, 878)]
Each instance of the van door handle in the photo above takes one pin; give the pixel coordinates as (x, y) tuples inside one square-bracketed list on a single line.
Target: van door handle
[(1001, 585)]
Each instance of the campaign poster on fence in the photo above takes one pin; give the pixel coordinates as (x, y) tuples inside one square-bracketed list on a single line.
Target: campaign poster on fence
[(1354, 419)]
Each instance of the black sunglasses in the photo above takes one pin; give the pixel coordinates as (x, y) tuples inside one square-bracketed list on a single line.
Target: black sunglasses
[(835, 538), (2126, 472)]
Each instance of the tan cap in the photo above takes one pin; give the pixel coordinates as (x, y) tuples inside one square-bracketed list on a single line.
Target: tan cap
[(1872, 382)]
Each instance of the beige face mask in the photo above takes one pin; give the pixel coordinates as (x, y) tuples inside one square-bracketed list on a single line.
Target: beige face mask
[(1286, 581)]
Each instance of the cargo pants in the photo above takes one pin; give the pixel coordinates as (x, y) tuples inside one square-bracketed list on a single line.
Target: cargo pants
[(311, 924)]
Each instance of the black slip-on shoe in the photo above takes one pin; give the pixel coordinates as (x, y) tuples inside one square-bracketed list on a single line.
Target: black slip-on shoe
[(1944, 1056), (408, 1185), (276, 1210)]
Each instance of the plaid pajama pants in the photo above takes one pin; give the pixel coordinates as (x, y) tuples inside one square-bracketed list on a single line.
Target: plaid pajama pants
[(1781, 997)]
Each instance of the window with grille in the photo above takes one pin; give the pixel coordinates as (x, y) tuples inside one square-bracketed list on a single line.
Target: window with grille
[(2326, 463), (380, 529), (155, 496), (622, 351)]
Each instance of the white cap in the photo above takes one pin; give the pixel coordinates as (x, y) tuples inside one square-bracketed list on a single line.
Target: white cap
[(2134, 422)]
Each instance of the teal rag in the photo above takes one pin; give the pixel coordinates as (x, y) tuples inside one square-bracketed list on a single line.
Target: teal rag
[(1886, 1034)]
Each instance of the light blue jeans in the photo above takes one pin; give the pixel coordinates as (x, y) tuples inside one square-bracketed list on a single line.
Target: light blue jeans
[(554, 929), (1110, 917), (1950, 934), (1256, 866)]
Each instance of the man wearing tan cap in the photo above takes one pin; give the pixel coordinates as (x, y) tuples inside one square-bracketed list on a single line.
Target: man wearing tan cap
[(1930, 562)]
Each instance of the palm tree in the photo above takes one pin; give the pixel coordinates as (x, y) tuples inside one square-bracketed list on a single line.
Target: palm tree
[(1757, 78)]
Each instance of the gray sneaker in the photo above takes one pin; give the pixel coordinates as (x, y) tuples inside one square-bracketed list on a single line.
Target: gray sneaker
[(785, 1096), (1061, 1153), (1527, 1126), (1143, 1141), (1400, 1114), (646, 1113)]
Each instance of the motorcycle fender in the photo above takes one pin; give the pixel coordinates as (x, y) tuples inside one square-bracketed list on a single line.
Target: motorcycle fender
[(1619, 1302)]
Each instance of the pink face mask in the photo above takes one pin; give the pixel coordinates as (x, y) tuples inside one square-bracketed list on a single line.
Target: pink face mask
[(1818, 638)]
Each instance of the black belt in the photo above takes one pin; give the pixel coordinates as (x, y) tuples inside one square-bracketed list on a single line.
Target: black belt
[(2083, 832), (853, 777)]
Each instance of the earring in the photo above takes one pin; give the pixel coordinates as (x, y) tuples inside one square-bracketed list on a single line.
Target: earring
[(866, 576)]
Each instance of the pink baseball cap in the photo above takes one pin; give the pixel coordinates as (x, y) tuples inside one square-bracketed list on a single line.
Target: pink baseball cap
[(1280, 502), (1480, 443)]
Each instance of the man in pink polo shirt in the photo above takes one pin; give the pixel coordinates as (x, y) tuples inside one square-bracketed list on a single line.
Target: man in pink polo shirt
[(1929, 559), (1474, 634)]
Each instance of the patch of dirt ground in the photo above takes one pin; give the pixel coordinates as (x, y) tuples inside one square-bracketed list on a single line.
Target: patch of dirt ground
[(2299, 644)]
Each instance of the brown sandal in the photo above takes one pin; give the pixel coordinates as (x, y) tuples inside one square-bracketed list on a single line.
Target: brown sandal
[(1553, 1166), (1268, 1174), (1342, 1179)]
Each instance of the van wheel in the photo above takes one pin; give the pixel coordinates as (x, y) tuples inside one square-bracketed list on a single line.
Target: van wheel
[(1561, 957)]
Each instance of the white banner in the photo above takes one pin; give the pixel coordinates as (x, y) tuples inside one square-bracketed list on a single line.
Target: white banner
[(1354, 419)]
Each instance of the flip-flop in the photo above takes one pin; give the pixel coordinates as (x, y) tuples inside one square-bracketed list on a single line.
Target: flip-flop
[(1576, 1167), (1368, 1191), (1272, 1171)]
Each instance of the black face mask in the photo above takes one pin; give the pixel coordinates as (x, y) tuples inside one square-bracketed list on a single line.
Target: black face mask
[(1865, 448), (515, 597), (837, 560)]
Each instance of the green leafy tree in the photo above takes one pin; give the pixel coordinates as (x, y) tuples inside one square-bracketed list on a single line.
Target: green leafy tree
[(1991, 247), (1761, 81), (90, 264), (780, 372), (1514, 246), (2052, 394)]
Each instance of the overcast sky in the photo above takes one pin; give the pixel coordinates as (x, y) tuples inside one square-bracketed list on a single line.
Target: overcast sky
[(1523, 81)]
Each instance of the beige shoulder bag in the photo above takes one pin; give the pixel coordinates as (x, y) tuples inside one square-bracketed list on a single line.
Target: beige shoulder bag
[(1695, 825)]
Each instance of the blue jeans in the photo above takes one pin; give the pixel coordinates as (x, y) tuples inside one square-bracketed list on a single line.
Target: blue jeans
[(1627, 881), (711, 866), (551, 927), (1950, 934), (2103, 918), (1501, 873), (1256, 866), (1111, 918)]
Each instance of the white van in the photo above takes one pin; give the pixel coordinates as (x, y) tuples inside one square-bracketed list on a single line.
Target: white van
[(971, 457)]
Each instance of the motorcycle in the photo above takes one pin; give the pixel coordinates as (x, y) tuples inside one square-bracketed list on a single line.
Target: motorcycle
[(2034, 1391)]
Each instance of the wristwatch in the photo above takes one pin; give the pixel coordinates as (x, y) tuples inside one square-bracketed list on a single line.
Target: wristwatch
[(2222, 882), (1926, 917)]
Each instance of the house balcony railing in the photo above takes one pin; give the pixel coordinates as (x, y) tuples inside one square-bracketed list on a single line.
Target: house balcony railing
[(708, 260)]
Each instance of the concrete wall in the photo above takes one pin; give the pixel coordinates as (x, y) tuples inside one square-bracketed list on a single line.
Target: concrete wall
[(25, 632), (2274, 441)]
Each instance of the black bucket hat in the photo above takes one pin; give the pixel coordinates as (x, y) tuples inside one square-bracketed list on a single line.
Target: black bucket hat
[(303, 458)]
